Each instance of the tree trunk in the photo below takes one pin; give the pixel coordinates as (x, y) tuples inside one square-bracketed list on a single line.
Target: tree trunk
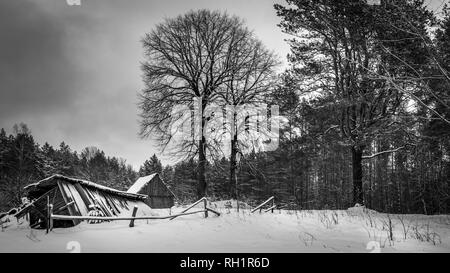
[(201, 187), (233, 167), (357, 153)]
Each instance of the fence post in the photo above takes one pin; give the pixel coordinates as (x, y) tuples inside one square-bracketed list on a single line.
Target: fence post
[(205, 202), (273, 204), (133, 215), (47, 225), (51, 217)]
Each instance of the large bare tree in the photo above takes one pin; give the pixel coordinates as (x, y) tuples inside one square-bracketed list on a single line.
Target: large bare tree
[(246, 93), (189, 59)]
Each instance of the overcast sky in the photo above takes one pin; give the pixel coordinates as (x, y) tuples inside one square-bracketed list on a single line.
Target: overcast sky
[(72, 73)]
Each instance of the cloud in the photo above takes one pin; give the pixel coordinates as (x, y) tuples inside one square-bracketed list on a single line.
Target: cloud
[(72, 72), (36, 75)]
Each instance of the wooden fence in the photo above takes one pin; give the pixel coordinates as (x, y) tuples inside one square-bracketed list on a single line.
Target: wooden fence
[(51, 217), (271, 208)]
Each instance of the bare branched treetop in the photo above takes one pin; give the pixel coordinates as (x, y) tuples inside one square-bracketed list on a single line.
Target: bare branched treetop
[(204, 55)]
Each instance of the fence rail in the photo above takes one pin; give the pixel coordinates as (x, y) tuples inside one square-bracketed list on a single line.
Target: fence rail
[(85, 218), (51, 217), (204, 200), (260, 207)]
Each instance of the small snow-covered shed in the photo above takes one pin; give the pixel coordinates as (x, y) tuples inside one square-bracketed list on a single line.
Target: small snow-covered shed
[(74, 197), (159, 194)]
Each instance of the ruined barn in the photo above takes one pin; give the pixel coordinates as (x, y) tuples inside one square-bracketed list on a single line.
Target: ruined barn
[(75, 197), (159, 194)]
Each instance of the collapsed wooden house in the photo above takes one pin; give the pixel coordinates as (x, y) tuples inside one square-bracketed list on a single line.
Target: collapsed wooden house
[(75, 197), (159, 194)]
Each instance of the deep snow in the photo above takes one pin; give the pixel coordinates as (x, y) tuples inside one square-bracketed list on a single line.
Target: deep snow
[(353, 230)]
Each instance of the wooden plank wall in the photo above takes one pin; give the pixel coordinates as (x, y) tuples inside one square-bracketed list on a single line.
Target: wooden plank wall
[(158, 194)]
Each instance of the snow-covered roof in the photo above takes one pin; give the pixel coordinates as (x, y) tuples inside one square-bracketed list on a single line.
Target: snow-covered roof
[(51, 180), (141, 183)]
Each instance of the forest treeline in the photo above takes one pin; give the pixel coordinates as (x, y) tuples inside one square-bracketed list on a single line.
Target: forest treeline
[(302, 174), (365, 103), (23, 161)]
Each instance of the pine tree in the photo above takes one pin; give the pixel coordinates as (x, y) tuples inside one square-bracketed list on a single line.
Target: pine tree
[(361, 67), (151, 166)]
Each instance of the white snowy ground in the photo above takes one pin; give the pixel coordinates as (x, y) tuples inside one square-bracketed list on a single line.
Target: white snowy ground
[(353, 230)]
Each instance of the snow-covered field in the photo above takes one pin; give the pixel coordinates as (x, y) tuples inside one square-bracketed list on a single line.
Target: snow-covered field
[(353, 230)]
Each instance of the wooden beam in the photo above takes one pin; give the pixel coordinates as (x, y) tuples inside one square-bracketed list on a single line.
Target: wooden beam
[(36, 224), (18, 214), (191, 206), (65, 206), (47, 226), (133, 215), (262, 204), (83, 194), (66, 199), (271, 208), (205, 203), (213, 211), (83, 218), (50, 220)]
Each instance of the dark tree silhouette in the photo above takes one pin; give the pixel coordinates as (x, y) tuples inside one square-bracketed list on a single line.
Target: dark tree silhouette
[(192, 58)]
